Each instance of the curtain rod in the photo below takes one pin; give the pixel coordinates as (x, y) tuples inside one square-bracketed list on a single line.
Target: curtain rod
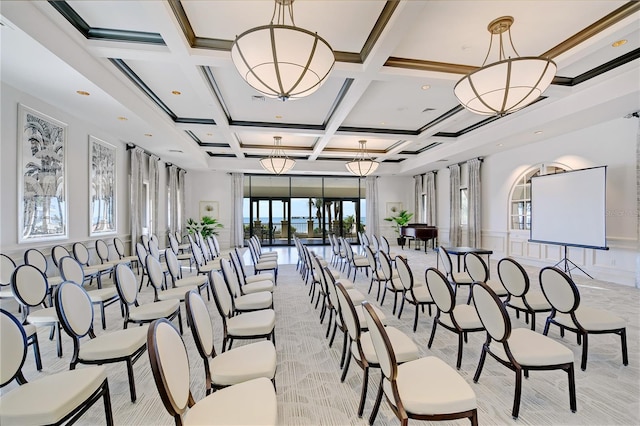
[(131, 146), (463, 162)]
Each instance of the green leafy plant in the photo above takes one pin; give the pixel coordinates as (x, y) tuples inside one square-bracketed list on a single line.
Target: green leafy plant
[(400, 220), (206, 227)]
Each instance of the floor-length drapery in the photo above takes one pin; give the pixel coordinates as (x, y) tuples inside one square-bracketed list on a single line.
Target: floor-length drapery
[(455, 233), (475, 203), (430, 199), (372, 219), (154, 180), (136, 180), (181, 197), (174, 201), (417, 199), (237, 195)]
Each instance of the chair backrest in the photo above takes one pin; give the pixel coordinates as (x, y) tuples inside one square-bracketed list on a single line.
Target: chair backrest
[(348, 312), (365, 240), (119, 246), (440, 290), (513, 277), (57, 253), (178, 237), (198, 257), (154, 250), (71, 270), (385, 265), (200, 321), (230, 277), (330, 287), (204, 248), (404, 272), (491, 311), (170, 366), (375, 243), (221, 295), (126, 284), (144, 239), (13, 350), (334, 248), (476, 267), (102, 249), (216, 244), (443, 254), (371, 257), (154, 238), (141, 252), (348, 250), (559, 290), (173, 265), (7, 266), (154, 270), (237, 260), (212, 247), (29, 285), (74, 308), (384, 244), (381, 343), (35, 258), (81, 253), (173, 243)]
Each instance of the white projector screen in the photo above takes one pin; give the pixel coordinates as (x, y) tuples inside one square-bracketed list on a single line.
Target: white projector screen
[(570, 208)]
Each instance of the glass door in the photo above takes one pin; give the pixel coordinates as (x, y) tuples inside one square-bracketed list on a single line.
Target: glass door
[(270, 220), (342, 217)]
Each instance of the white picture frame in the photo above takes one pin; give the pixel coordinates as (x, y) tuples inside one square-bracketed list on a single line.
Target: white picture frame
[(42, 183), (393, 208), (209, 208), (102, 187)]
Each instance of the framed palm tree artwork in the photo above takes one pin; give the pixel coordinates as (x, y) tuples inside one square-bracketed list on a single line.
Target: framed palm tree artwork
[(42, 186), (102, 187)]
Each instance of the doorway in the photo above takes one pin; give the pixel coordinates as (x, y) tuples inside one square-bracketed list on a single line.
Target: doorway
[(270, 220)]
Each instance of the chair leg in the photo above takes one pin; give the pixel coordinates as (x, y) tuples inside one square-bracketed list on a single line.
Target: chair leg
[(132, 384), (516, 397), (623, 338), (36, 351), (572, 388), (585, 345), (401, 306), (104, 320), (363, 394), (333, 335), (345, 369), (59, 333), (433, 332), (345, 348), (376, 405), (415, 319), (533, 321), (460, 345), (483, 356), (106, 397)]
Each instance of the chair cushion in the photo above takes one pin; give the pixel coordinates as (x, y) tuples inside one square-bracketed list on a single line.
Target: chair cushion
[(175, 293), (259, 277), (151, 311), (248, 403), (497, 287), (114, 344), (258, 287), (192, 280), (265, 265), (361, 262), (43, 316), (462, 278), (466, 317), (592, 319), (356, 296), (447, 392), (55, 280), (244, 363), (395, 285), (534, 349), (253, 301), (535, 299), (29, 329), (6, 294), (252, 323), (403, 346), (50, 398), (346, 283), (419, 294), (102, 294)]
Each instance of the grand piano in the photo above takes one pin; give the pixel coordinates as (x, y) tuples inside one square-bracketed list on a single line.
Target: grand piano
[(419, 232)]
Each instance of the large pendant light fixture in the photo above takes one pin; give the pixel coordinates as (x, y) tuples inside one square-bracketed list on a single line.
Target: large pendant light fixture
[(507, 85), (277, 162), (280, 60), (362, 164)]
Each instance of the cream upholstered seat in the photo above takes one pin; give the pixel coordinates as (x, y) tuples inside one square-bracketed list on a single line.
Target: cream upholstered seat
[(158, 281), (461, 278), (82, 255), (568, 313), (251, 402), (246, 279), (263, 264), (479, 272), (30, 288), (355, 261), (52, 399), (133, 311), (75, 310), (179, 282), (377, 275), (102, 250), (359, 341), (424, 388), (72, 270), (244, 302), (520, 350), (233, 366), (248, 325), (460, 319), (521, 296), (36, 258), (179, 254), (416, 294)]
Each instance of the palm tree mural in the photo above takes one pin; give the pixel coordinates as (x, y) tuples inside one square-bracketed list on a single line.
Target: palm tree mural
[(102, 188), (43, 179)]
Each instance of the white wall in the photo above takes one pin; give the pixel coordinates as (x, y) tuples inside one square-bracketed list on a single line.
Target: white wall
[(210, 186), (394, 189)]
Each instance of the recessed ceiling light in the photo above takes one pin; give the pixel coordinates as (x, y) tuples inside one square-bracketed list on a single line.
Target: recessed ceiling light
[(209, 134), (176, 151), (619, 43), (82, 93), (148, 135), (537, 132), (176, 92), (426, 87), (383, 123), (121, 118), (278, 117), (499, 144)]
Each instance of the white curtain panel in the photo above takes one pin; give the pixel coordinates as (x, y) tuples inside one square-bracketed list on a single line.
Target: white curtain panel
[(154, 179), (475, 203), (174, 202), (181, 200), (237, 195), (455, 233), (430, 198), (372, 219), (417, 199), (638, 202), (136, 179)]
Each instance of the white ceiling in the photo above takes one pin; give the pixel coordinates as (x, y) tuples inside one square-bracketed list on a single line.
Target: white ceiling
[(385, 52)]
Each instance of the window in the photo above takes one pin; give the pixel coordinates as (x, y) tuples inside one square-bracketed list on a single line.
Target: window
[(464, 207), (520, 206)]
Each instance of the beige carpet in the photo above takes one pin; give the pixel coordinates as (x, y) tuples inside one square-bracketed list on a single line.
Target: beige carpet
[(308, 375)]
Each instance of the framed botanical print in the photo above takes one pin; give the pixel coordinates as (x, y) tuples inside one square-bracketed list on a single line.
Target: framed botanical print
[(42, 186), (102, 187), (209, 208)]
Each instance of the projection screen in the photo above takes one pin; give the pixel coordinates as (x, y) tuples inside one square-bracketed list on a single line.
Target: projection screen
[(570, 208)]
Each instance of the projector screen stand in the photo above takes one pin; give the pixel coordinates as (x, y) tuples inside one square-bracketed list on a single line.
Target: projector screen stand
[(568, 265)]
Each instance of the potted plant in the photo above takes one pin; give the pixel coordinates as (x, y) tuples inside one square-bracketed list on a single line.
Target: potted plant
[(206, 227), (400, 220)]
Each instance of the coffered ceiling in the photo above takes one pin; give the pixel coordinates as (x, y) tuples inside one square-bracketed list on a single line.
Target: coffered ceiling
[(166, 67)]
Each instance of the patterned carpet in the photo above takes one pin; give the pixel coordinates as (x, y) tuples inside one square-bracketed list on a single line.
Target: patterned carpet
[(308, 375)]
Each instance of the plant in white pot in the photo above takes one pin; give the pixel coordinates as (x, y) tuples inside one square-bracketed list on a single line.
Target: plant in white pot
[(400, 220)]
